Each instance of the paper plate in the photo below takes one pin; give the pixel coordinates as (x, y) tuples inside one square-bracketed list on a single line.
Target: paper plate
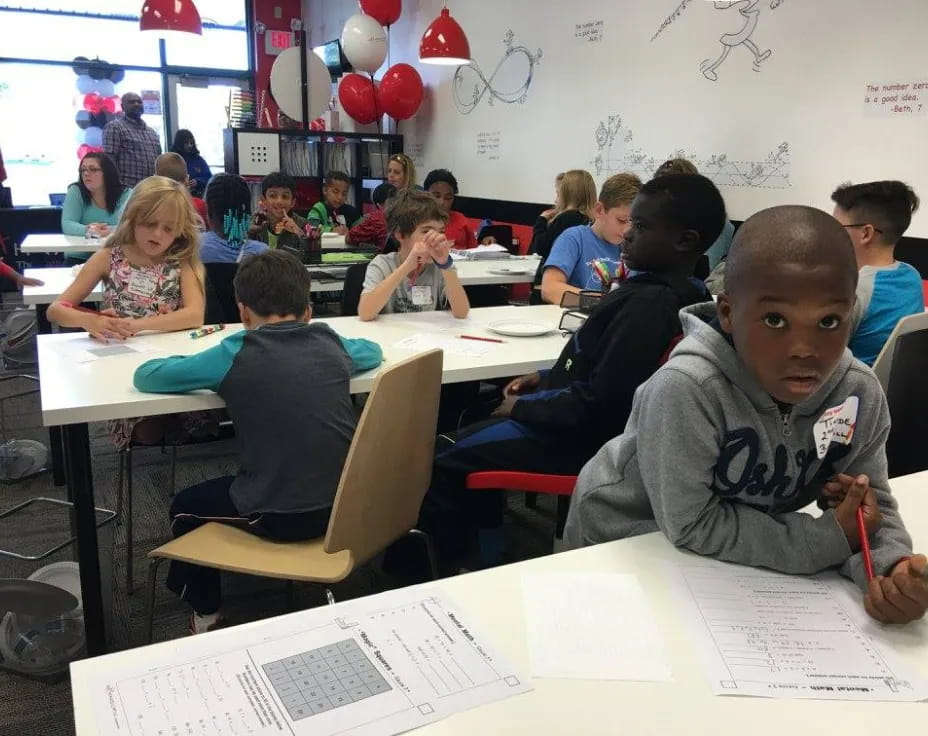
[(510, 271), (519, 328)]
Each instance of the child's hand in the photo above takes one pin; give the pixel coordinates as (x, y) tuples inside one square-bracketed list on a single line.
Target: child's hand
[(858, 494), (523, 384), (22, 281), (901, 596), (340, 230), (488, 240), (548, 214), (438, 246), (418, 255), (107, 326), (289, 225), (836, 488)]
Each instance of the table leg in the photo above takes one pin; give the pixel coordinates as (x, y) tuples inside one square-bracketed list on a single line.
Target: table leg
[(55, 445), (43, 326), (80, 490)]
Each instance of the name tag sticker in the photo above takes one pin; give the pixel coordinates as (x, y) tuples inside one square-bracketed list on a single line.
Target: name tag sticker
[(836, 424), (143, 283), (422, 296)]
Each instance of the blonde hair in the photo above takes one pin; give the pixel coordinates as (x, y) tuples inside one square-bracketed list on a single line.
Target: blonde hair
[(619, 189), (576, 191), (173, 166), (409, 169), (148, 197)]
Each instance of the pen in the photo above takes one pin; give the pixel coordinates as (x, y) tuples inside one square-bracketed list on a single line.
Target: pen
[(482, 339), (864, 544), (204, 331)]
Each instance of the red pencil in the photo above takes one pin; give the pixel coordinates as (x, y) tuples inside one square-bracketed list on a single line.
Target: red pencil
[(482, 339), (78, 308), (864, 544)]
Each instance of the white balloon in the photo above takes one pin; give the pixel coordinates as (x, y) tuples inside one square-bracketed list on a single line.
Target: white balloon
[(364, 43), (104, 88), (285, 84)]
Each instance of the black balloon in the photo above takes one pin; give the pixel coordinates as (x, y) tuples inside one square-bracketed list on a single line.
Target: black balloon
[(117, 75), (80, 65)]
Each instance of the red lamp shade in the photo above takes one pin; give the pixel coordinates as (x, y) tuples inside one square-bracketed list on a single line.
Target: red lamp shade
[(166, 16), (444, 42)]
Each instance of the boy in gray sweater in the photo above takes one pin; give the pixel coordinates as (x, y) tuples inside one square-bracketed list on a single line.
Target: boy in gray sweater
[(760, 411)]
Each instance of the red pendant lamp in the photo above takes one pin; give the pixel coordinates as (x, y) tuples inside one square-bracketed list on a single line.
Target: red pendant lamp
[(444, 42), (170, 16)]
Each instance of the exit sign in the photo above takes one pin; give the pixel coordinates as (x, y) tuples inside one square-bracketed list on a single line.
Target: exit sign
[(277, 41)]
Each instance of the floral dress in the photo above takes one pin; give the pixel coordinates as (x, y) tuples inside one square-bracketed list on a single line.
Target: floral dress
[(146, 291)]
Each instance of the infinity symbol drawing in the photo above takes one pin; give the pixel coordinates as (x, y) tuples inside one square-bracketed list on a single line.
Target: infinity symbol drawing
[(470, 85)]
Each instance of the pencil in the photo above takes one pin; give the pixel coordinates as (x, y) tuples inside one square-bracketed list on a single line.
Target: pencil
[(482, 339), (78, 308), (864, 544)]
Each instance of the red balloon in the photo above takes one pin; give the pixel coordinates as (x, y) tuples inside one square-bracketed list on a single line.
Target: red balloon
[(93, 103), (385, 12), (111, 104), (84, 149), (401, 91), (359, 96)]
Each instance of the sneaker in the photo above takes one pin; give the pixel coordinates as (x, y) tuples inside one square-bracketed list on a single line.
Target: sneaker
[(192, 629)]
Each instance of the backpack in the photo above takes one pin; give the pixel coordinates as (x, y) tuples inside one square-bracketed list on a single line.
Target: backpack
[(18, 344)]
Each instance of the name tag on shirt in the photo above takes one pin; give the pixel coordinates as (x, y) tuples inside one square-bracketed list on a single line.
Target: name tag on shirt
[(143, 283), (422, 296), (836, 425)]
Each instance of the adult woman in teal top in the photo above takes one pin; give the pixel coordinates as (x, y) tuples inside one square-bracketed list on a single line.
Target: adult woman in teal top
[(96, 198)]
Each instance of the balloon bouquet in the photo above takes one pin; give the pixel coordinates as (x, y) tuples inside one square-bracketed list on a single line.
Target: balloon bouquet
[(364, 42), (96, 81)]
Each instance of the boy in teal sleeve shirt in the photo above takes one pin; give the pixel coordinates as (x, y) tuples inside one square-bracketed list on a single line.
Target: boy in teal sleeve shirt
[(285, 382)]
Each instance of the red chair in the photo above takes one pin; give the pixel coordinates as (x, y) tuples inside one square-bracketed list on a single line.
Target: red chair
[(561, 486)]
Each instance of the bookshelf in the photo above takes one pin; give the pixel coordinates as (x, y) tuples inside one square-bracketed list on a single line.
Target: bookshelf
[(307, 155)]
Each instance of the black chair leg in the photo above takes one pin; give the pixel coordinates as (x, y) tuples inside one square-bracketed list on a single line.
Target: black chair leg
[(153, 565), (429, 550)]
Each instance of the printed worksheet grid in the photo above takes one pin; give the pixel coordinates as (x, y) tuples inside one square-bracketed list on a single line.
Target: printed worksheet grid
[(324, 678)]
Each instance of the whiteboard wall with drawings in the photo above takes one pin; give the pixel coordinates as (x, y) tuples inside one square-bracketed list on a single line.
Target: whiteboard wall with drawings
[(778, 101)]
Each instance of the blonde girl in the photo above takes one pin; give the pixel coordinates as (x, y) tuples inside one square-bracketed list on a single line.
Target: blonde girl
[(401, 172), (576, 197), (151, 273)]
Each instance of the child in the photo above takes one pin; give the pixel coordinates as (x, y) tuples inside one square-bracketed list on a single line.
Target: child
[(372, 230), (173, 166), (401, 172), (285, 384), (13, 275), (569, 266), (574, 205), (333, 214), (153, 280), (276, 224), (725, 443), (875, 215), (420, 276), (554, 421), (442, 185), (228, 201)]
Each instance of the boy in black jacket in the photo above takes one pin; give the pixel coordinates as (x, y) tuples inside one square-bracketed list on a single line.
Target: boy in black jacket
[(553, 422)]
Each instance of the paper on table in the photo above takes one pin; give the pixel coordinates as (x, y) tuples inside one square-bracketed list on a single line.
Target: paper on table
[(782, 636), (595, 626), (85, 349), (422, 341), (383, 664)]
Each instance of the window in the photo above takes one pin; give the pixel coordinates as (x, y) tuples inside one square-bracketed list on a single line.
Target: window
[(217, 48)]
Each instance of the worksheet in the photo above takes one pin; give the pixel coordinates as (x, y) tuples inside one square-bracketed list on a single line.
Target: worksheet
[(383, 665), (783, 636)]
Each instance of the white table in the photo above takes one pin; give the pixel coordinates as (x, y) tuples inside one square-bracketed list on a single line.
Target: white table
[(74, 393), (57, 279), (58, 243), (493, 600), (520, 270)]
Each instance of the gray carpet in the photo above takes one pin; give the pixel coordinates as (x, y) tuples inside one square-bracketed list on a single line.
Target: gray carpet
[(28, 707)]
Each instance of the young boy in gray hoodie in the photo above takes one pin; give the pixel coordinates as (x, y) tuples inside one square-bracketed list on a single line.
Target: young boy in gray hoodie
[(760, 411)]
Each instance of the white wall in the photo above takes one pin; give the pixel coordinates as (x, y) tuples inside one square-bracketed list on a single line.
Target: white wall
[(786, 131)]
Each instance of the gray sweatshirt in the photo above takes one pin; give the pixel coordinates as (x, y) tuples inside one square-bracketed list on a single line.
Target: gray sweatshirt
[(709, 459)]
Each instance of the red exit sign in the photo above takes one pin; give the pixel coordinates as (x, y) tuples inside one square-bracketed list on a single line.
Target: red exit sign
[(277, 41)]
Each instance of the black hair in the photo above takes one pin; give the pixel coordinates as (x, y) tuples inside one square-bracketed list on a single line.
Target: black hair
[(333, 176), (887, 205), (112, 185), (228, 206), (181, 138), (273, 283), (278, 180), (410, 208), (788, 234), (443, 175), (383, 192), (693, 202)]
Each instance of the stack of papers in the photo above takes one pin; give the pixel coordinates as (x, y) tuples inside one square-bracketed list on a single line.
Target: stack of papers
[(482, 253)]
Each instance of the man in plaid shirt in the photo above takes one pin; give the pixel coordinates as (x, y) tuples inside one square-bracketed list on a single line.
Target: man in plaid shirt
[(131, 144)]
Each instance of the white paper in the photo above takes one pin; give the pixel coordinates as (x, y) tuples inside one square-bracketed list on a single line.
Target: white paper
[(422, 341), (782, 636), (592, 626), (85, 349), (379, 665)]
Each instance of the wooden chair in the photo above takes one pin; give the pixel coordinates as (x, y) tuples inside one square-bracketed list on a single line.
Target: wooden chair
[(883, 364), (384, 480)]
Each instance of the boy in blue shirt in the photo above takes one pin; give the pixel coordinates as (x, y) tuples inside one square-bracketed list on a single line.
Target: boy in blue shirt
[(285, 384), (875, 215), (568, 267)]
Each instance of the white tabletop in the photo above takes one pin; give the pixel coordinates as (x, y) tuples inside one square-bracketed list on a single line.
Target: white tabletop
[(56, 279), (74, 391), (517, 270), (58, 243), (493, 599)]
